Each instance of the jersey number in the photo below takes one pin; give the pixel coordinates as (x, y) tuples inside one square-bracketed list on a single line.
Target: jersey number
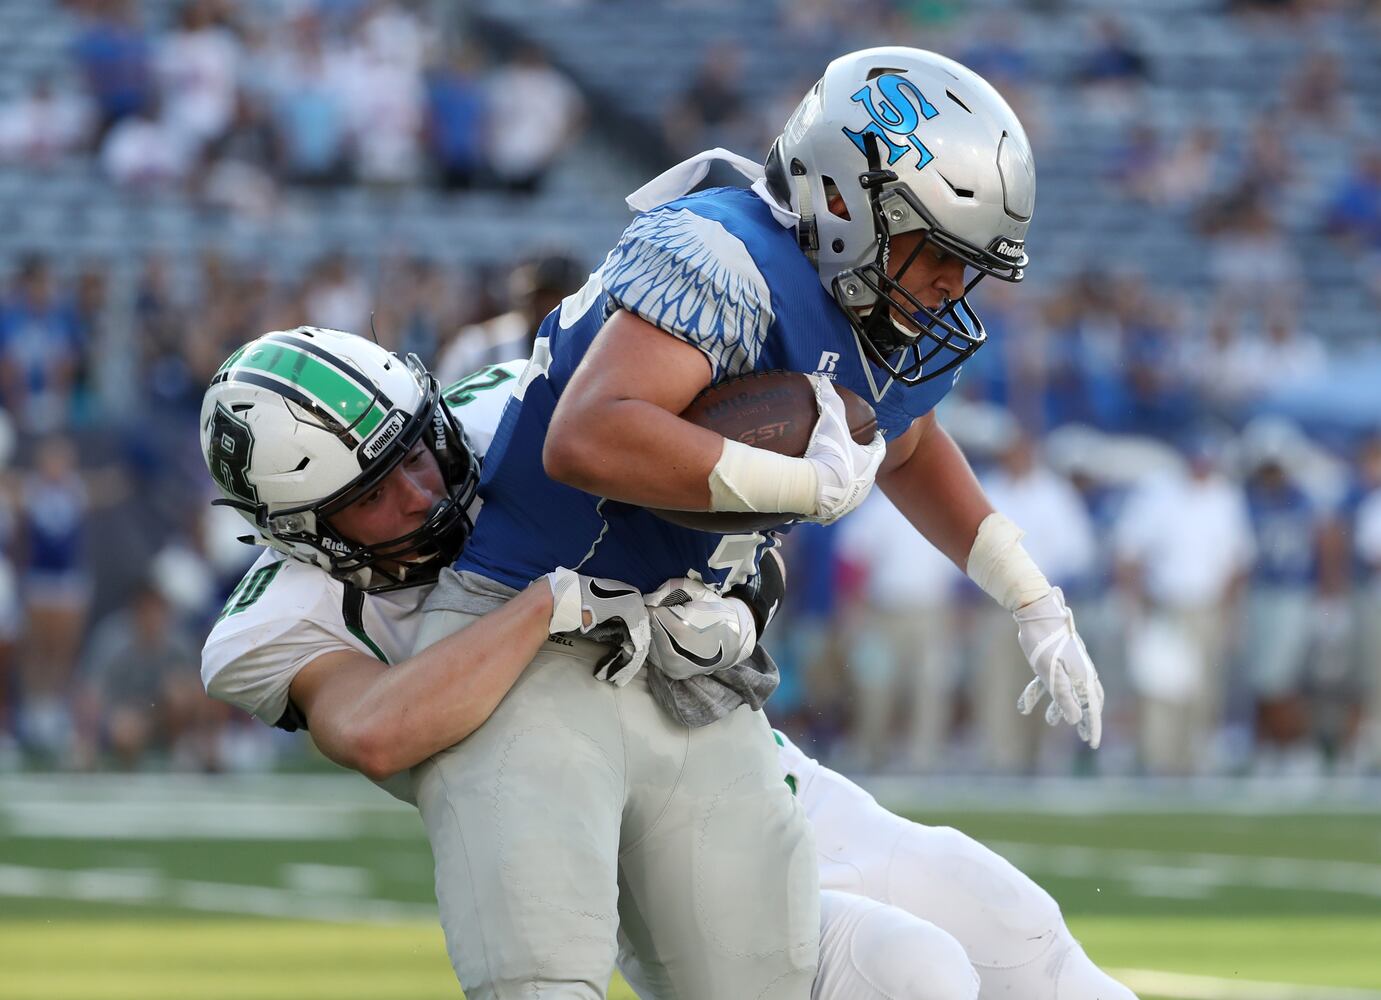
[(739, 555), (250, 589), (457, 394)]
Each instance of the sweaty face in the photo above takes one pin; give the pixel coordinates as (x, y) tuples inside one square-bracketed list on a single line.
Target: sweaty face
[(398, 505)]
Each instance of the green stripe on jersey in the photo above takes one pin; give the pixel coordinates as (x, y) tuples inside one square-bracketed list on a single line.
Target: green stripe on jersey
[(360, 634), (338, 394), (352, 610)]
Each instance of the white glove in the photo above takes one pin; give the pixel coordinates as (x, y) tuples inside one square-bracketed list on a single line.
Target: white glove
[(845, 469), (1045, 629), (696, 631), (603, 611)]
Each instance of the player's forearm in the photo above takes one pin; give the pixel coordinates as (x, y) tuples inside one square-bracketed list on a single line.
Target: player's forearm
[(634, 451), (615, 432), (938, 493), (442, 694)]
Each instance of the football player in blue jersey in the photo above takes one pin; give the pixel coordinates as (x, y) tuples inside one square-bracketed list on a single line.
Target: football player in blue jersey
[(847, 258)]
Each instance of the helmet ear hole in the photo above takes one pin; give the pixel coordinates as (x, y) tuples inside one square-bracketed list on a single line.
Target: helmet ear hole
[(834, 200)]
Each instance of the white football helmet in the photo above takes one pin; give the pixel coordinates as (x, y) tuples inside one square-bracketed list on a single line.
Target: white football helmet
[(905, 140), (299, 424)]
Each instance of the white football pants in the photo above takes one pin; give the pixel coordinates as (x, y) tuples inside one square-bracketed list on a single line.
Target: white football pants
[(1010, 928), (579, 807)]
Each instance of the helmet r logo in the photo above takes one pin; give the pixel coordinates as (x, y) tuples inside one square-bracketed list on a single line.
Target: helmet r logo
[(231, 443), (898, 113)]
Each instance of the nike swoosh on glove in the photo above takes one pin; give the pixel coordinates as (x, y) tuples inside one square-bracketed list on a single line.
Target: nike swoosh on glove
[(695, 631), (603, 611), (1045, 630)]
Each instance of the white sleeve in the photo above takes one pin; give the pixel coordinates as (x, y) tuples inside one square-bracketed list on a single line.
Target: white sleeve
[(282, 616), (691, 277), (477, 401), (253, 668)]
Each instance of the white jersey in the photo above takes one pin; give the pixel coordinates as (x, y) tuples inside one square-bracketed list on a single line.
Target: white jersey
[(285, 613)]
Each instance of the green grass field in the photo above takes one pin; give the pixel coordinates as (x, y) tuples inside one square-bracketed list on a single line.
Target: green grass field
[(168, 889)]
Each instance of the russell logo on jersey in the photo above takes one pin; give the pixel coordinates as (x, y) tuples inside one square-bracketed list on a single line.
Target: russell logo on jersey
[(829, 360)]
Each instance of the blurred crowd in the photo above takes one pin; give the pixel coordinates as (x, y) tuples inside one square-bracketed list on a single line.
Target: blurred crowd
[(1188, 463), (1227, 588), (230, 102)]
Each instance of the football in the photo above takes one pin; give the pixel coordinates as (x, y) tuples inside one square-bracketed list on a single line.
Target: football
[(773, 410)]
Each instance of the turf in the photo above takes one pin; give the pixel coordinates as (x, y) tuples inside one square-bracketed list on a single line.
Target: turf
[(104, 898)]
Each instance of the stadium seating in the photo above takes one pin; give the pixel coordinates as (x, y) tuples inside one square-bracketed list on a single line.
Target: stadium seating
[(1203, 68)]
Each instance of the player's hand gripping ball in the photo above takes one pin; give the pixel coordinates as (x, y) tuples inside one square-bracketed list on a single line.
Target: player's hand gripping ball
[(771, 410)]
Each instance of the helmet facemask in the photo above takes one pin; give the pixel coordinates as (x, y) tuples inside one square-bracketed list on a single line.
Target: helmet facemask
[(909, 340)]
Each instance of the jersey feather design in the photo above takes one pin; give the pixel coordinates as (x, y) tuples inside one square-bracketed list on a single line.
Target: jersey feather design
[(689, 276)]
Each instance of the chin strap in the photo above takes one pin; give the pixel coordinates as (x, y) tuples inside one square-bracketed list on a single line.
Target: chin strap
[(807, 232)]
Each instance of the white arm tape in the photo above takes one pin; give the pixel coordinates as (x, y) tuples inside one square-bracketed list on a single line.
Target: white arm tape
[(566, 613), (754, 479), (1004, 569)]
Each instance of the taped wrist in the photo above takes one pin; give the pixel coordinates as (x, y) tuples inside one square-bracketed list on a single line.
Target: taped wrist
[(999, 564), (761, 481), (567, 613)]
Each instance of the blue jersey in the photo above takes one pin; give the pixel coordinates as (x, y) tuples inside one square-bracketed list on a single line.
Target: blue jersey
[(718, 271), (1286, 524)]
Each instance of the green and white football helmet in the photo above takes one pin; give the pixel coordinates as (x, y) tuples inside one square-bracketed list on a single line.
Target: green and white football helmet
[(896, 140), (299, 424)]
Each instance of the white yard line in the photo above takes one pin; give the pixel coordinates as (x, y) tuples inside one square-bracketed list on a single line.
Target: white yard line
[(143, 888), (172, 821), (1185, 987), (1195, 873)]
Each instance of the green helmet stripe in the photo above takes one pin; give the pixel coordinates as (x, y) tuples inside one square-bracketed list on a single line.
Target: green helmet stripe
[(340, 396), (229, 362)]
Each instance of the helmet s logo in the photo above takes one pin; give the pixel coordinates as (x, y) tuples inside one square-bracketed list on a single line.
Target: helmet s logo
[(228, 454), (897, 110)]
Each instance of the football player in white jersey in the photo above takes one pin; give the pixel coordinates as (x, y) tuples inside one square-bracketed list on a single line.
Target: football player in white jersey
[(351, 466), (358, 515)]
